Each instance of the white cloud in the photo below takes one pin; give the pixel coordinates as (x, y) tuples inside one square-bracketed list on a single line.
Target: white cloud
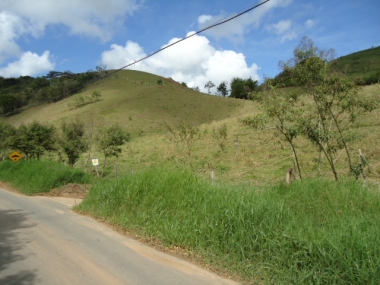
[(235, 29), (29, 64), (281, 27), (309, 24), (119, 56), (94, 18), (284, 29), (20, 18), (13, 27), (10, 28), (204, 19), (193, 61)]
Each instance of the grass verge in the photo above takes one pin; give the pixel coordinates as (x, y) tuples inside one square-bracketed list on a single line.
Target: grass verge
[(37, 176), (314, 232)]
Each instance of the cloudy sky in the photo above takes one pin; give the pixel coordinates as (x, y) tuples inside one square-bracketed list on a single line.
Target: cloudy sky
[(78, 35)]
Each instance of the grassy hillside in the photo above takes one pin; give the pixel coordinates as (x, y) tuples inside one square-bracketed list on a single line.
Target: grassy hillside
[(134, 99), (236, 153), (362, 66)]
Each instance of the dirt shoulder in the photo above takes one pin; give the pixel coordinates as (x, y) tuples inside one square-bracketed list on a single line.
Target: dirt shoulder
[(71, 190), (8, 187)]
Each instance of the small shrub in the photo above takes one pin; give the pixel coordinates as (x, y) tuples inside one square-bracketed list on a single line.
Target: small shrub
[(95, 96)]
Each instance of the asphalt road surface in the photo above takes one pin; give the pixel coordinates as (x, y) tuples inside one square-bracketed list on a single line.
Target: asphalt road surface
[(43, 242)]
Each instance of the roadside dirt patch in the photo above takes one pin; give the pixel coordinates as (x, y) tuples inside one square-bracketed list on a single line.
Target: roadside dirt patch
[(6, 186), (71, 190)]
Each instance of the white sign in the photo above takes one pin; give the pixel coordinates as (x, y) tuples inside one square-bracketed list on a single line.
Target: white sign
[(95, 162)]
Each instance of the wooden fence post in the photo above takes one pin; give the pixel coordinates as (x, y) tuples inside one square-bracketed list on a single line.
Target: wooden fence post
[(213, 178)]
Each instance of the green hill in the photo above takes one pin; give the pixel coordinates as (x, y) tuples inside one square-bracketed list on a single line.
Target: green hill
[(362, 66), (221, 142), (135, 100)]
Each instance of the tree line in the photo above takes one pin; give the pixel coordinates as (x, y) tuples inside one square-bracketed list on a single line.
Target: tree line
[(68, 142), (16, 93), (239, 88)]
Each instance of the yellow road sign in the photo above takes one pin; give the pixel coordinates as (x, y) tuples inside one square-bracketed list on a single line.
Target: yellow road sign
[(15, 156)]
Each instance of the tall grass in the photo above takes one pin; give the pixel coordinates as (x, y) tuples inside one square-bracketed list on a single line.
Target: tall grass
[(314, 232), (38, 176)]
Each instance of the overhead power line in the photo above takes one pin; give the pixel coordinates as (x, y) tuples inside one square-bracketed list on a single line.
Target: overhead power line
[(181, 40), (172, 44)]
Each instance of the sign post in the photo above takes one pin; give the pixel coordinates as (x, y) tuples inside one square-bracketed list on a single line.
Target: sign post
[(95, 162), (15, 156)]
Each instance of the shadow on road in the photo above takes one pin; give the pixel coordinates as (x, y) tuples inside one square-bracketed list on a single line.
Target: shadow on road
[(10, 222)]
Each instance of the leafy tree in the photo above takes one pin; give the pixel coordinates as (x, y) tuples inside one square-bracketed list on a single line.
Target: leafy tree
[(243, 88), (285, 114), (222, 89), (336, 103), (209, 85), (237, 88), (34, 140), (7, 131), (39, 82), (53, 74), (110, 141), (9, 103), (73, 141)]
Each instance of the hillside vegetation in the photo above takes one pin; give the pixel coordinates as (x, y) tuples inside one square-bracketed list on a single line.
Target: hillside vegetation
[(236, 153), (203, 176), (135, 100), (315, 232), (362, 66)]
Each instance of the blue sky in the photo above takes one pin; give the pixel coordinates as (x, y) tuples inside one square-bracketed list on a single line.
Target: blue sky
[(77, 35)]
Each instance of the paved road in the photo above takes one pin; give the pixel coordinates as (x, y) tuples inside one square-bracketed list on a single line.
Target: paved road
[(43, 242)]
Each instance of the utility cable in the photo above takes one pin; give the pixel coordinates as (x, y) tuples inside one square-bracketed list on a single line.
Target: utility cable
[(172, 44), (183, 39)]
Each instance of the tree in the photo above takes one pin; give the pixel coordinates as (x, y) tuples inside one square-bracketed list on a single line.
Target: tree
[(336, 103), (110, 141), (73, 141), (222, 89), (243, 88), (39, 82), (6, 132), (9, 103), (34, 140), (209, 85), (281, 108), (101, 70)]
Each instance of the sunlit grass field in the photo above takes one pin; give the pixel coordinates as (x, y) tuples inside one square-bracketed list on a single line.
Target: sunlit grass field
[(314, 232)]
